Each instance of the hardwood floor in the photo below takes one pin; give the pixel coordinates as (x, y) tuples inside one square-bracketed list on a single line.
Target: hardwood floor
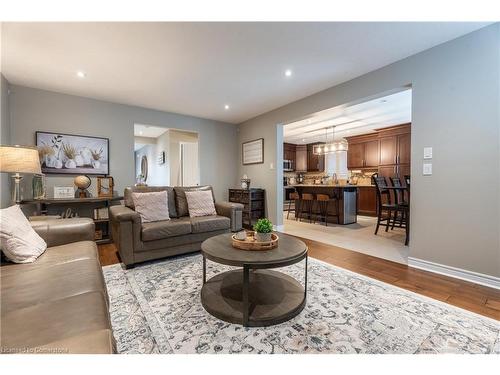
[(469, 296)]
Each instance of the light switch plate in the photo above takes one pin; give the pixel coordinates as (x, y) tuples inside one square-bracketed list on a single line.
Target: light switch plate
[(271, 166), (427, 152), (427, 169)]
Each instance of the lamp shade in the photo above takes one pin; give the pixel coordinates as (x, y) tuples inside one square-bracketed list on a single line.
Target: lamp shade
[(18, 159)]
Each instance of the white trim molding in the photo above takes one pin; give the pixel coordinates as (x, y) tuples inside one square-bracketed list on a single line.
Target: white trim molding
[(458, 273), (278, 228)]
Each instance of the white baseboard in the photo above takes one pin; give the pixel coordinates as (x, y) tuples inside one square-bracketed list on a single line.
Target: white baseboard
[(458, 273), (278, 228)]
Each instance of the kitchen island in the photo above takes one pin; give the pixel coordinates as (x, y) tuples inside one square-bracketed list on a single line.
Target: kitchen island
[(346, 194)]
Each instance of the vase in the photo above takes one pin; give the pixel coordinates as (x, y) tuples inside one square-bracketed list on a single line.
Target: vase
[(70, 163), (86, 156), (58, 164), (263, 237), (79, 160), (96, 164)]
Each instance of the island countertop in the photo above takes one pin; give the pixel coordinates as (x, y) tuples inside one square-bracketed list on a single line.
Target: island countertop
[(329, 186)]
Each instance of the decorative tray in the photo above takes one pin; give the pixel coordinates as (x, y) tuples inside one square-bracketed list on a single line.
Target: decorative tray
[(250, 244)]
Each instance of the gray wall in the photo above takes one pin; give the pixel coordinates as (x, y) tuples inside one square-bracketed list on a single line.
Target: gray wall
[(33, 109), (5, 196), (455, 212)]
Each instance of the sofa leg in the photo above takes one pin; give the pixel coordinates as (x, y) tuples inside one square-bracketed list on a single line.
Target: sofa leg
[(129, 266)]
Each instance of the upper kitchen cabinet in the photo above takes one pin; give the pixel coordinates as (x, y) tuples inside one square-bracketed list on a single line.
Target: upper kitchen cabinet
[(315, 163), (395, 145), (301, 158), (363, 151), (289, 153)]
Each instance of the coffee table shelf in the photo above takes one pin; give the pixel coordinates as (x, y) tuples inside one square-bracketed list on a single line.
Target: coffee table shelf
[(254, 295)]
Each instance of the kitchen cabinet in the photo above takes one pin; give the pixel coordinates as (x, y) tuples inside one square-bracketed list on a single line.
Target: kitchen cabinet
[(404, 148), (301, 158), (367, 201), (363, 152), (315, 163), (395, 152), (388, 150), (289, 153)]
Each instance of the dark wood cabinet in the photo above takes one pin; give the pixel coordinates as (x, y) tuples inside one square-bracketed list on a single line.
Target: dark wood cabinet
[(355, 155), (363, 151), (387, 171), (404, 148), (301, 158), (289, 153), (367, 201), (371, 153), (315, 163), (395, 151), (388, 150), (253, 204)]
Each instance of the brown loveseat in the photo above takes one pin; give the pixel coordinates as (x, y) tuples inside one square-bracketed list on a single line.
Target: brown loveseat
[(138, 242), (59, 303)]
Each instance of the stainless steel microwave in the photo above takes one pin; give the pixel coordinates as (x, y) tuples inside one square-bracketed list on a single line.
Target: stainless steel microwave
[(287, 165)]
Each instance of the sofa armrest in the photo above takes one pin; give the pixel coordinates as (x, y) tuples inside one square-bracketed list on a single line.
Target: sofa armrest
[(57, 232), (233, 211), (121, 213)]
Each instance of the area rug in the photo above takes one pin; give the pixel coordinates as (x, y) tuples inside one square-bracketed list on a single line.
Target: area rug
[(156, 308)]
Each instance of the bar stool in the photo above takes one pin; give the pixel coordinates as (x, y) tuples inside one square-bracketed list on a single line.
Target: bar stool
[(295, 198), (324, 203), (305, 205)]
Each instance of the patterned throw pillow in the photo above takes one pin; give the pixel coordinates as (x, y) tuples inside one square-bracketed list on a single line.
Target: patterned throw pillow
[(19, 241), (151, 206), (200, 203)]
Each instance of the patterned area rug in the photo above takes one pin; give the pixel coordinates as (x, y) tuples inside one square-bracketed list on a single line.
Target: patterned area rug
[(156, 308)]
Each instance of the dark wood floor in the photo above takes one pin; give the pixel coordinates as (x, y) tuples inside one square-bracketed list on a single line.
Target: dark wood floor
[(469, 296)]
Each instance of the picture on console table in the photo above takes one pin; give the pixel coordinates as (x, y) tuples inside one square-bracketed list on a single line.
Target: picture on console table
[(72, 154)]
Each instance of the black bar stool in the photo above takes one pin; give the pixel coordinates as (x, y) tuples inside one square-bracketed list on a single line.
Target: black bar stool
[(324, 201), (385, 207), (401, 201), (295, 198), (306, 205)]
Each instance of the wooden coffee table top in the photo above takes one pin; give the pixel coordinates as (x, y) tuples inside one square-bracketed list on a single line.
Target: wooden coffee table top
[(220, 250)]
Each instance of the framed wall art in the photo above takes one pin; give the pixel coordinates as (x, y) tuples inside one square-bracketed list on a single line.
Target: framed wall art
[(253, 152), (72, 154)]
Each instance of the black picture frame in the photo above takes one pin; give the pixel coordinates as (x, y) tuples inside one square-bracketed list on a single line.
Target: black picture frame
[(92, 154)]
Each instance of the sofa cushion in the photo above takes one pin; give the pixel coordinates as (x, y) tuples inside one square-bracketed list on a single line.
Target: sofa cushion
[(129, 202), (210, 223), (200, 203), (152, 206), (51, 321), (180, 197), (29, 286), (19, 241), (164, 229)]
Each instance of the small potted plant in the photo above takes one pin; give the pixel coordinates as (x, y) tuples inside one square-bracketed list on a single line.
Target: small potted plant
[(263, 230)]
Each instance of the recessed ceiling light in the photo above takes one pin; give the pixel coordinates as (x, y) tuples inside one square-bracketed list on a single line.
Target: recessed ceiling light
[(288, 73), (303, 140), (80, 74), (140, 132), (383, 101), (226, 107)]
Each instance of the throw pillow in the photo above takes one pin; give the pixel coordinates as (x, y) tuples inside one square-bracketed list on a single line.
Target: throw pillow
[(200, 203), (19, 241), (151, 206)]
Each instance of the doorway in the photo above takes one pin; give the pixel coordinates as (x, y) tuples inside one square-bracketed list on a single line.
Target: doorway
[(166, 156), (365, 125)]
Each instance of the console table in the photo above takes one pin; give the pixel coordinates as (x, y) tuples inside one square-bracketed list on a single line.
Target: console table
[(253, 201), (83, 206)]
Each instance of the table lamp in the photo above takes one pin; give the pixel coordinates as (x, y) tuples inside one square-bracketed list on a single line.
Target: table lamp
[(19, 159)]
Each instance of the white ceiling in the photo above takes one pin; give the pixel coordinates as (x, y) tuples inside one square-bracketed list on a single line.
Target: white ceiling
[(351, 120), (197, 68)]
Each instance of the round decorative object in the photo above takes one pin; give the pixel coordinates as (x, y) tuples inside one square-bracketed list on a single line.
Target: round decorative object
[(82, 182), (252, 243)]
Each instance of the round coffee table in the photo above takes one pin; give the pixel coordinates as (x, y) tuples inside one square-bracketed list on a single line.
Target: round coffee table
[(253, 295)]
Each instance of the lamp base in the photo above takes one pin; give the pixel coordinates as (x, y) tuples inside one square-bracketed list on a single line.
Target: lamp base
[(17, 188)]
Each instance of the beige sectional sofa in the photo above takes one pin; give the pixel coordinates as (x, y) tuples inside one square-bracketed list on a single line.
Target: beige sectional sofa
[(59, 303), (138, 242)]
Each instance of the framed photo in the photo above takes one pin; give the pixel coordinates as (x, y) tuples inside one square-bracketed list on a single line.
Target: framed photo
[(105, 186), (253, 152), (72, 154), (64, 192)]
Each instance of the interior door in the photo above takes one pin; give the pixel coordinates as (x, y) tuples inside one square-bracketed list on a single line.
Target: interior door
[(190, 172)]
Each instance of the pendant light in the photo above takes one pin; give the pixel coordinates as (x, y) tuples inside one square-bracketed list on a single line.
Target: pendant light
[(331, 147)]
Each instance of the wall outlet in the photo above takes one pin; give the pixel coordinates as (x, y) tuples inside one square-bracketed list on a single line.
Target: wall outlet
[(427, 152), (427, 169)]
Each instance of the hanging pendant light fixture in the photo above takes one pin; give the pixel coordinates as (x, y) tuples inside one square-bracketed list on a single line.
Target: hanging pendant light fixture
[(340, 145)]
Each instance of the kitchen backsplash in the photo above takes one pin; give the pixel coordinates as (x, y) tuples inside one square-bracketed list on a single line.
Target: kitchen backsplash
[(363, 177)]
